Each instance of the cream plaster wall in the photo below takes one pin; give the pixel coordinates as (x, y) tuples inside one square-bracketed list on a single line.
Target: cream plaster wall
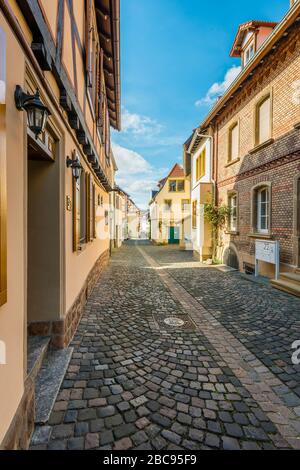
[(12, 314)]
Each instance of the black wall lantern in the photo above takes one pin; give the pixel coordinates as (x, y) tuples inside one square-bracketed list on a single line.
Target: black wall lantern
[(37, 112), (75, 165)]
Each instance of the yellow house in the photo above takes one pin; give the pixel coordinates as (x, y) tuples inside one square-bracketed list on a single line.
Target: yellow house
[(170, 210)]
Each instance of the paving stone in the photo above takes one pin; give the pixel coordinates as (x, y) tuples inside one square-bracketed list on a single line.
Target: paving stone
[(125, 430), (234, 429), (139, 438), (106, 437), (76, 443), (106, 411), (229, 443), (171, 436), (123, 444), (212, 440), (81, 429), (62, 431), (127, 383), (91, 441), (96, 425)]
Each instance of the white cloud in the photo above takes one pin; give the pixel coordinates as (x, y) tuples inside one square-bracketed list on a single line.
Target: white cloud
[(129, 161), (219, 88), (139, 125), (135, 175)]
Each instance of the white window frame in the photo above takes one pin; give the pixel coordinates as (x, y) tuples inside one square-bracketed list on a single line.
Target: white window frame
[(247, 55), (233, 219), (259, 215)]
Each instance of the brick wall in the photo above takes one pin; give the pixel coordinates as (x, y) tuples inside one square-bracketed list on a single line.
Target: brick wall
[(278, 163)]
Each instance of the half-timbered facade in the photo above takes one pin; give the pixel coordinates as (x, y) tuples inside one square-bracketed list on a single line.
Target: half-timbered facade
[(55, 185)]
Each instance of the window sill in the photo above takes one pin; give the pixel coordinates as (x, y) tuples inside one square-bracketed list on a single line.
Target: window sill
[(232, 232), (261, 146), (232, 162), (263, 236)]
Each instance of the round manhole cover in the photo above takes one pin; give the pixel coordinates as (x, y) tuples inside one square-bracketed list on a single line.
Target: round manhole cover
[(172, 321)]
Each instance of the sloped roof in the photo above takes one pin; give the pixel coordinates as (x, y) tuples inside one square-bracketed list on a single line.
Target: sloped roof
[(265, 50), (176, 172), (243, 30)]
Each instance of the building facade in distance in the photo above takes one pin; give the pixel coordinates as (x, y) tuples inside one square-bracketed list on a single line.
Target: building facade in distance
[(170, 209)]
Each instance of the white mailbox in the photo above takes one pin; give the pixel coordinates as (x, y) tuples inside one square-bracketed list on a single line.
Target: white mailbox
[(269, 252)]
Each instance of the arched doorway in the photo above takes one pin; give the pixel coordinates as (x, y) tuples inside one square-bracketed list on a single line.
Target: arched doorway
[(230, 258)]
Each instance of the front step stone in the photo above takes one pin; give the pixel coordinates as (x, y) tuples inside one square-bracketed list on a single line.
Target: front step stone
[(286, 286), (37, 347), (48, 382)]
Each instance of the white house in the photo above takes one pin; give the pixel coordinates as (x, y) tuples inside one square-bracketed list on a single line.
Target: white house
[(198, 164)]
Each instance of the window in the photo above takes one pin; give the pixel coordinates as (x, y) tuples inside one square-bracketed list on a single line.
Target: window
[(180, 186), (194, 214), (90, 208), (76, 214), (249, 53), (168, 204), (93, 57), (263, 210), (233, 153), (172, 186), (185, 205), (176, 186), (263, 121), (233, 218), (261, 218), (84, 210), (200, 165)]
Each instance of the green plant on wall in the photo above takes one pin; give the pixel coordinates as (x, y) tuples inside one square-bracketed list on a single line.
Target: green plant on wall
[(217, 216)]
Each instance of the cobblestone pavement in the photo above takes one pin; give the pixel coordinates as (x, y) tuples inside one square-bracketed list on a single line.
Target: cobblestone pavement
[(221, 378)]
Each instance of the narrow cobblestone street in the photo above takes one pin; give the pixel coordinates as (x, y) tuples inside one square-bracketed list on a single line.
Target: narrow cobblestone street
[(221, 377)]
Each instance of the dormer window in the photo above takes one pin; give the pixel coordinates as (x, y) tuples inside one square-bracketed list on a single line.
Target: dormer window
[(249, 38), (249, 53)]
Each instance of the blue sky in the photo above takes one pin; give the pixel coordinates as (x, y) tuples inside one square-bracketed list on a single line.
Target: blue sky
[(174, 62)]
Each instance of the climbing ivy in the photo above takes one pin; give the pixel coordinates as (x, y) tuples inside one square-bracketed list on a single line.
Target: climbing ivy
[(217, 216)]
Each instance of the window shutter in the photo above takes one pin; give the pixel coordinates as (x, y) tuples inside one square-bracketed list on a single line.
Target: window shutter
[(87, 205), (94, 212), (234, 143), (76, 214), (88, 42), (91, 209), (264, 121), (99, 110)]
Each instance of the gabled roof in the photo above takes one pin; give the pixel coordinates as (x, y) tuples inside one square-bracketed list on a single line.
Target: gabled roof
[(176, 172), (244, 28)]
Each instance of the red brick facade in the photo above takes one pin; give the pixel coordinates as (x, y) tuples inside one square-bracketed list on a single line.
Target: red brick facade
[(276, 163)]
